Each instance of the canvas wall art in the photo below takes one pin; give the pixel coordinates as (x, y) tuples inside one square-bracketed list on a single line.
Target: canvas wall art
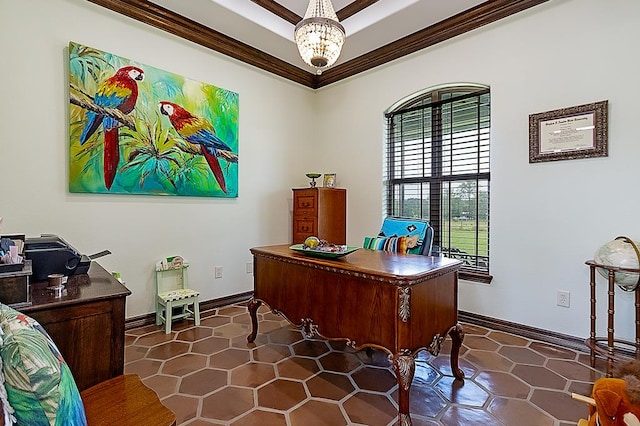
[(136, 129)]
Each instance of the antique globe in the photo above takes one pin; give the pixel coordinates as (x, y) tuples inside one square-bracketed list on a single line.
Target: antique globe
[(623, 253)]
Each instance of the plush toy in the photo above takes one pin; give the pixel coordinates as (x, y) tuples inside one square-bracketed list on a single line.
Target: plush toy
[(615, 401)]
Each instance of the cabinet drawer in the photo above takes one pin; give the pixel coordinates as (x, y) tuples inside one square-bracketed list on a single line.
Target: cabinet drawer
[(305, 226), (304, 204)]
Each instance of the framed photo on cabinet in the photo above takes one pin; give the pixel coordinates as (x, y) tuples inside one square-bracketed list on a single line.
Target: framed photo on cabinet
[(329, 180)]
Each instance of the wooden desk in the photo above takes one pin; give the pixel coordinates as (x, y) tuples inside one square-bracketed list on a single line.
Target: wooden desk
[(400, 304), (86, 323)]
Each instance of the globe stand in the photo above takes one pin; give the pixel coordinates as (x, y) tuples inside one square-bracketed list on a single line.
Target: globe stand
[(596, 348)]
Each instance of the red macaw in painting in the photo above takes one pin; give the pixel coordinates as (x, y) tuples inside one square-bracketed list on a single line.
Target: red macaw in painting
[(120, 92), (198, 131)]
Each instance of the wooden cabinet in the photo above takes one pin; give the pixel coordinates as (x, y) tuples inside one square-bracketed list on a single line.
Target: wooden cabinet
[(321, 212), (86, 323)]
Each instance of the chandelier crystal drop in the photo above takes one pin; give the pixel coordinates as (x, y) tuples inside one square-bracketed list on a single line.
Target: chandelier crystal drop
[(319, 35)]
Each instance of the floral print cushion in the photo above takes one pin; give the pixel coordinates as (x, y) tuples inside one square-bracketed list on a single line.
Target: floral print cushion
[(39, 386)]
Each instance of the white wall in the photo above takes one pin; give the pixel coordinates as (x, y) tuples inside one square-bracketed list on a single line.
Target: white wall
[(546, 219), (140, 230)]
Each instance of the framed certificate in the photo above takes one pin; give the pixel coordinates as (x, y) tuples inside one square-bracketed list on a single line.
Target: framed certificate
[(569, 133)]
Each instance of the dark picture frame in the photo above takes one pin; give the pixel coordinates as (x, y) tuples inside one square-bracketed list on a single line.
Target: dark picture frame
[(569, 133)]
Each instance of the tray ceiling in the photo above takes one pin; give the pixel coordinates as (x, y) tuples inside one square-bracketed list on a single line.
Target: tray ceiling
[(260, 32)]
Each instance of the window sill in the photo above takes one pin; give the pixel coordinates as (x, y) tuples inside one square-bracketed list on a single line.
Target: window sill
[(480, 277)]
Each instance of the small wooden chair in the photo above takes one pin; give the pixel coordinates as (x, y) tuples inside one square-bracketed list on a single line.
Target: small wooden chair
[(172, 291)]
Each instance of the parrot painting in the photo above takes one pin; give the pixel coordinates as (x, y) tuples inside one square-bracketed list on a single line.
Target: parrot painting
[(198, 131), (118, 92)]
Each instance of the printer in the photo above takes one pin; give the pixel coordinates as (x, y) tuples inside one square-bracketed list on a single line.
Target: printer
[(51, 254)]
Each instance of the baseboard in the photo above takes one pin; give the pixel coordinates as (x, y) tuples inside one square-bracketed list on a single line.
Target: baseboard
[(563, 340), (149, 319)]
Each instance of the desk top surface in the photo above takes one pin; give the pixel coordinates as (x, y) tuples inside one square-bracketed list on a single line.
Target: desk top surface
[(97, 285), (382, 264)]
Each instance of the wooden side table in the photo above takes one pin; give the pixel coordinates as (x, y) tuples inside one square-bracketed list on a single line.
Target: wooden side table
[(609, 352), (86, 322)]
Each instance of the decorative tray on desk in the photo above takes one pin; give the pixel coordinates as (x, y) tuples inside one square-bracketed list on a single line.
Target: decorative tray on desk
[(329, 253)]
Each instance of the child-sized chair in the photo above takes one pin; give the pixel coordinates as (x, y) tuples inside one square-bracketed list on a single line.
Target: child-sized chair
[(173, 292)]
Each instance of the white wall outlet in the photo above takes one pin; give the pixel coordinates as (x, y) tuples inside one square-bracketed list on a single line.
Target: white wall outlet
[(249, 267), (564, 298), (218, 271)]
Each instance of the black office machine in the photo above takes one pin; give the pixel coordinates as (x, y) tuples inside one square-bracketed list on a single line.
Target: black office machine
[(51, 254)]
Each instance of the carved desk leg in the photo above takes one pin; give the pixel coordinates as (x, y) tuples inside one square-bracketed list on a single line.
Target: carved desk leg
[(404, 365), (457, 335), (254, 304)]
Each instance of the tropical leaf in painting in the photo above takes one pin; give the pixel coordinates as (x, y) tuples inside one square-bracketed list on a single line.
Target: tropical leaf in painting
[(86, 65), (195, 173), (146, 157), (89, 156), (223, 113), (167, 86)]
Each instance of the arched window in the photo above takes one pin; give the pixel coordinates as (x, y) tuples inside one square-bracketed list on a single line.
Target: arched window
[(437, 168)]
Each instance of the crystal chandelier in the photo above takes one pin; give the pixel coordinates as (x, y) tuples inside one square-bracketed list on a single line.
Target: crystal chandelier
[(319, 35)]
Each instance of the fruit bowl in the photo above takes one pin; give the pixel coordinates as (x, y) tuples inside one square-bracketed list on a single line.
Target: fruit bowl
[(313, 177), (327, 252)]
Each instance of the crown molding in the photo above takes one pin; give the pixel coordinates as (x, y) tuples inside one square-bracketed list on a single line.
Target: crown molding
[(171, 22), (279, 10), (461, 23)]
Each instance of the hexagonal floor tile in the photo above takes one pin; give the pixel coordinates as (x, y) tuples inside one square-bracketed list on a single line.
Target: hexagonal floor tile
[(229, 358), (341, 362), (184, 364), (539, 376), (370, 409), (297, 368), (503, 384), (228, 403), (329, 385), (253, 374), (203, 382), (168, 350), (374, 379), (512, 411), (464, 392), (318, 413), (281, 394)]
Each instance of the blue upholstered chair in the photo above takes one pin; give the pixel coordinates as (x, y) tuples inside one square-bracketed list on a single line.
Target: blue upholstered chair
[(402, 233)]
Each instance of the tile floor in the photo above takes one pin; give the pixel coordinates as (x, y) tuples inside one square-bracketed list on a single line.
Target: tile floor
[(210, 375)]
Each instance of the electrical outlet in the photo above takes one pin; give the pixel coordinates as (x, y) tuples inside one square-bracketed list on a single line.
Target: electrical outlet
[(218, 271), (249, 267), (564, 298)]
